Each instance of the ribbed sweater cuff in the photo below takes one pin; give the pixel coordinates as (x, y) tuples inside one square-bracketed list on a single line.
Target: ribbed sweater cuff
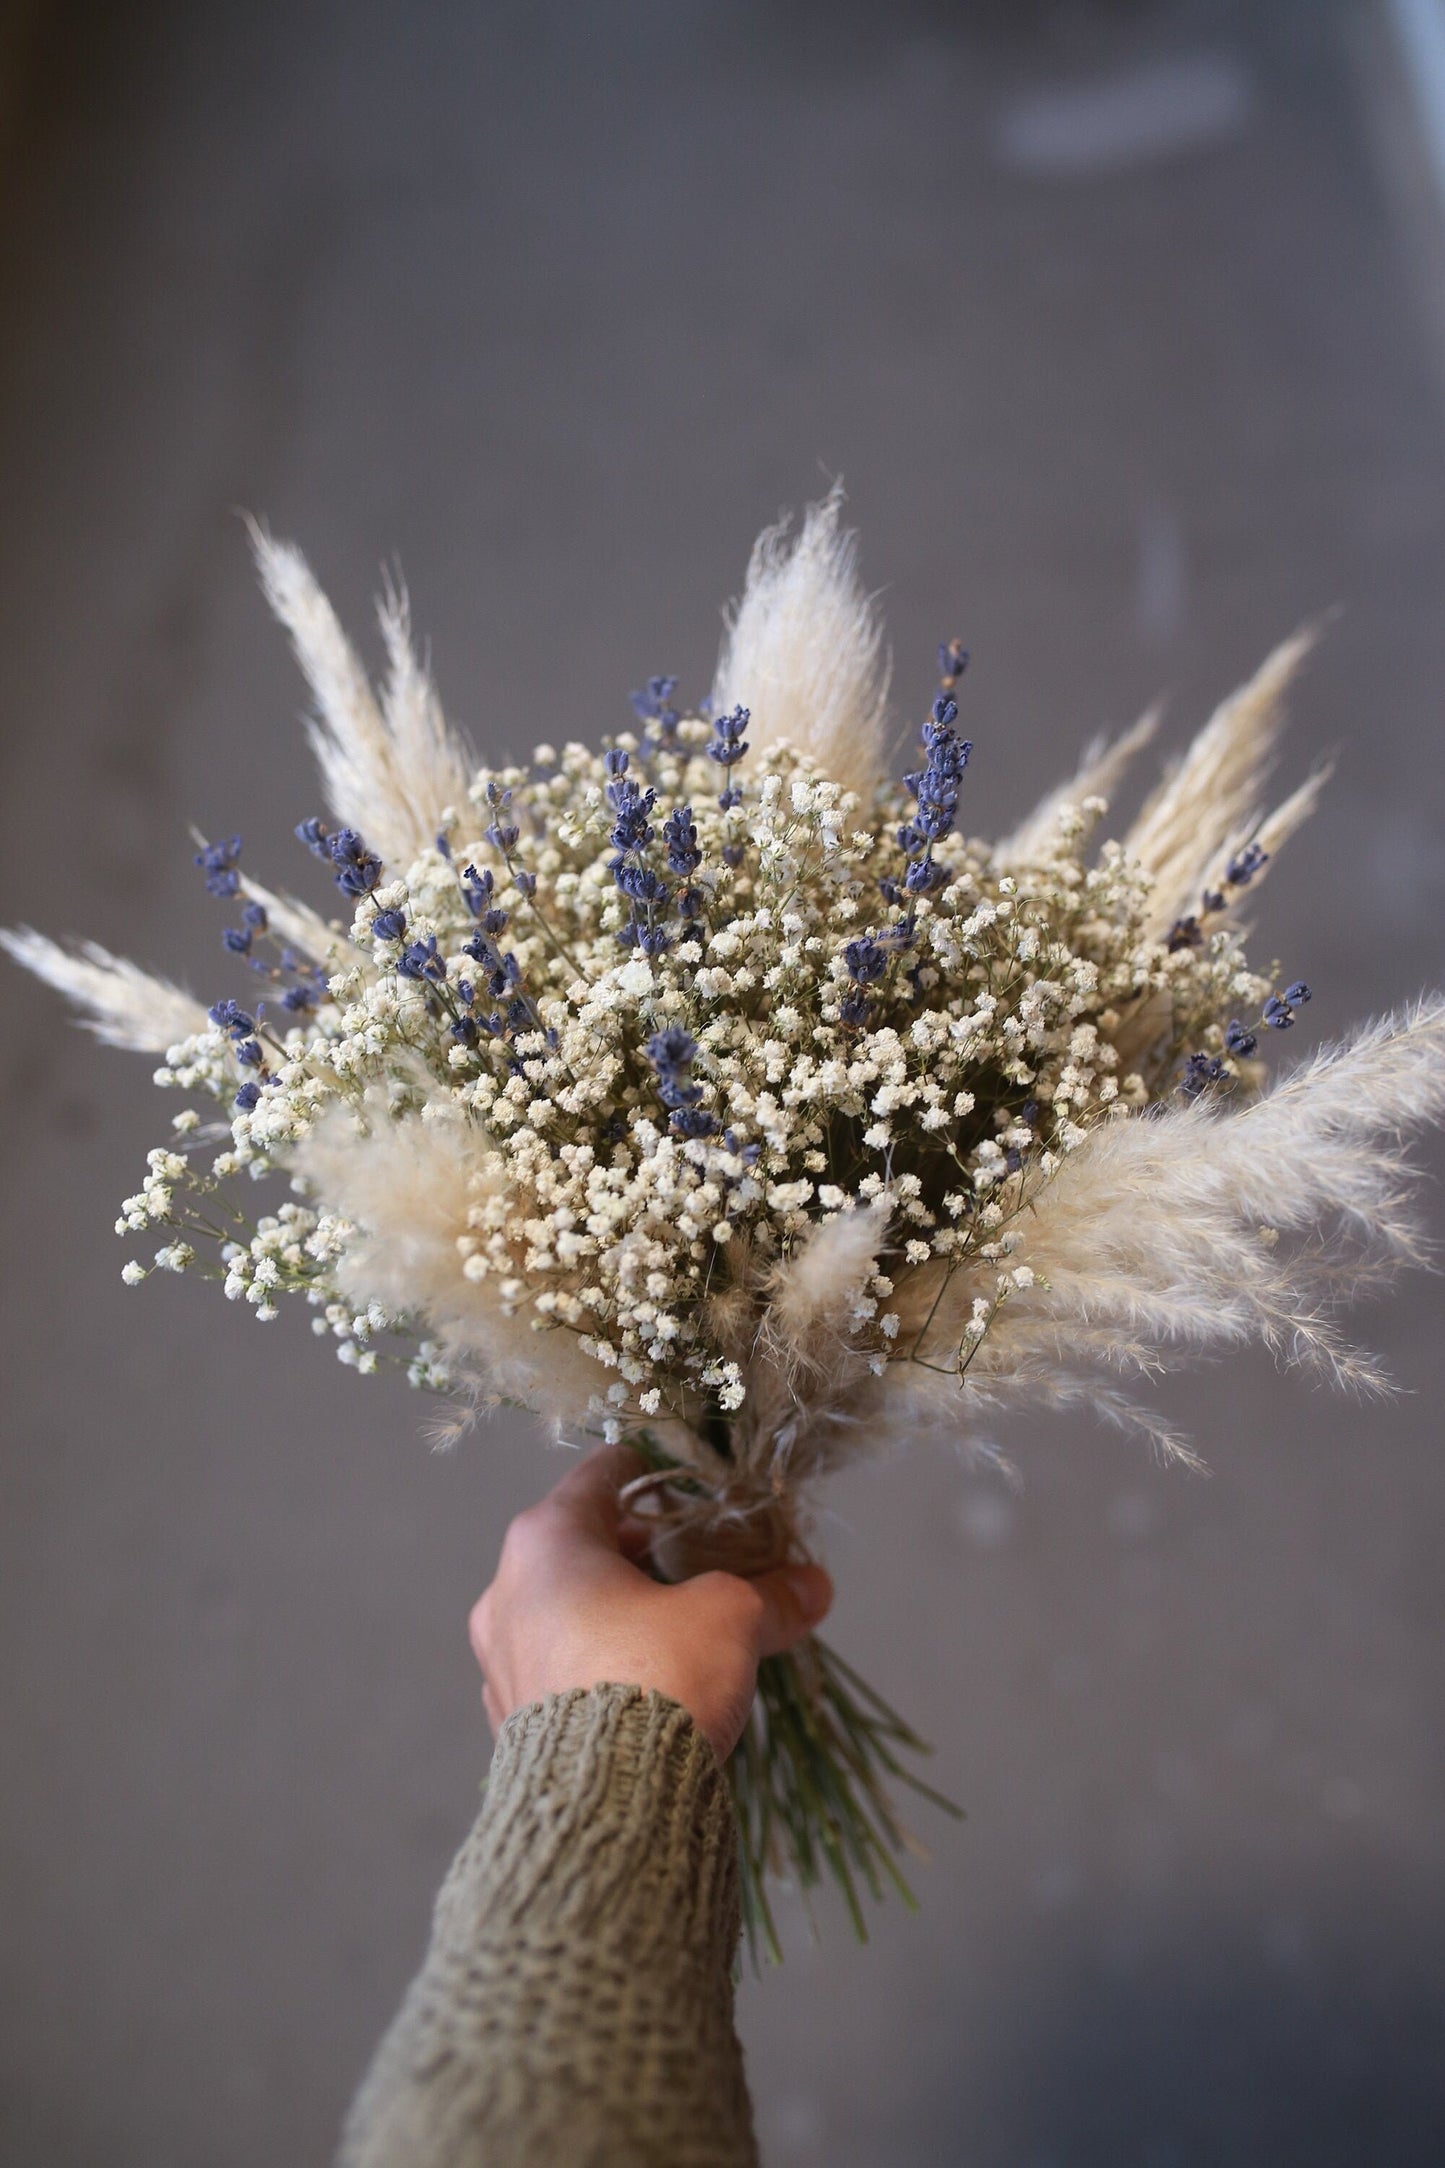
[(604, 1809), (575, 2006)]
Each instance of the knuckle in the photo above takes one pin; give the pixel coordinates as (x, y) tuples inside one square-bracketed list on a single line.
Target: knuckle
[(526, 1533), (736, 1599)]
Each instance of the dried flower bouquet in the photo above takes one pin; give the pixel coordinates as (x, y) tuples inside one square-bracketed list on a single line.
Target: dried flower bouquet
[(710, 1090)]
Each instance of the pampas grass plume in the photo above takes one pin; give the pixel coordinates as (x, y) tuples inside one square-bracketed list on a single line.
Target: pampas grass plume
[(804, 651), (124, 1006), (391, 767), (406, 1186), (1212, 794)]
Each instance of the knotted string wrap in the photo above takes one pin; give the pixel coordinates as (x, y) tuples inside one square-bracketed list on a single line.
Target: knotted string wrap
[(695, 1529)]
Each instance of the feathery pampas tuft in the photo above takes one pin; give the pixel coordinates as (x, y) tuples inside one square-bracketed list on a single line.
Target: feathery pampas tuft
[(125, 1006), (391, 768), (806, 1365), (1098, 775), (804, 650), (1212, 794), (298, 924), (406, 1188), (1175, 1234)]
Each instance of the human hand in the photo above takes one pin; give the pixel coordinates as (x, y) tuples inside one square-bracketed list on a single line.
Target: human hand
[(568, 1608)]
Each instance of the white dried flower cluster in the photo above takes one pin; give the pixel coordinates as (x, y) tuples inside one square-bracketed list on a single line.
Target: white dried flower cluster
[(939, 1053), (677, 1087)]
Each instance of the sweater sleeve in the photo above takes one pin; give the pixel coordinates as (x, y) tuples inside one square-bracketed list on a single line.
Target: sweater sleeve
[(575, 2007)]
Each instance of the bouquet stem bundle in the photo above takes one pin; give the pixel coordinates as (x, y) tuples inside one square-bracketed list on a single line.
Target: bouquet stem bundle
[(713, 1088), (811, 1782), (812, 1776)]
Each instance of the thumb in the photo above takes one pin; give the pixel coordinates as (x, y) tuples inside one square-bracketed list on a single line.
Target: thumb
[(795, 1600)]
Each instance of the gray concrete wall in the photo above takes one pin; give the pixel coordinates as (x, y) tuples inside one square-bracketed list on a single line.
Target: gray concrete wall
[(559, 304)]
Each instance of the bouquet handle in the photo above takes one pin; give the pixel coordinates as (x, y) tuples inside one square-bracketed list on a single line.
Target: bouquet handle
[(812, 1775)]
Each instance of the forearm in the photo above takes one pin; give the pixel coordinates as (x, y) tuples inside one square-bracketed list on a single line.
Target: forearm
[(575, 2004)]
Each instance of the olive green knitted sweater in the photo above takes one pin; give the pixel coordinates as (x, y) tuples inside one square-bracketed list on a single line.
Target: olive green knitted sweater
[(575, 2007)]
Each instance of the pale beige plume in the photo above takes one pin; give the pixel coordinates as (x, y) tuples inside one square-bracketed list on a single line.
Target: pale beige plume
[(1199, 1227), (804, 651), (406, 1187), (805, 1363), (390, 767), (127, 1007), (1213, 793), (1099, 774)]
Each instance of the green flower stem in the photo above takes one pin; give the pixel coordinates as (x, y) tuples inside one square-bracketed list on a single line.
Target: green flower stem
[(809, 1782)]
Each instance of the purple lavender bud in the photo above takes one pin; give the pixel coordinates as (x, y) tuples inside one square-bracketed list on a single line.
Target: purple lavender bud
[(1242, 868), (865, 960), (218, 862), (230, 1016), (1200, 1071), (355, 869), (692, 1122), (728, 743), (477, 889)]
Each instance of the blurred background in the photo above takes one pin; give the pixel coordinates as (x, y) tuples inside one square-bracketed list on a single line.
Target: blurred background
[(1125, 325)]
